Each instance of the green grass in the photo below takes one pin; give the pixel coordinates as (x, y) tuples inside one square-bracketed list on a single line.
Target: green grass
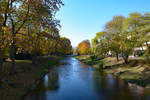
[(136, 71), (49, 65), (88, 60)]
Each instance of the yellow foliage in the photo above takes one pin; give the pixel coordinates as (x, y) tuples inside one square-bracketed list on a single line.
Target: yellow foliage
[(84, 47)]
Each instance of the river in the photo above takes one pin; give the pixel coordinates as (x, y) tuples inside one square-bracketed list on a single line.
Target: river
[(75, 81)]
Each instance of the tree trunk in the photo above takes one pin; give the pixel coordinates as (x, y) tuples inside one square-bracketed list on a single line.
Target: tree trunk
[(117, 57), (34, 57), (125, 57), (13, 52), (1, 61), (1, 65)]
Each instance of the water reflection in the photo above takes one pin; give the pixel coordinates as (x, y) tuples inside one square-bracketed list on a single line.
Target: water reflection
[(47, 84), (76, 81), (51, 81), (112, 89)]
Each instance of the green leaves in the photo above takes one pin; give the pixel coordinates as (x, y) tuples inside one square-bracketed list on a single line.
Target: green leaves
[(123, 35)]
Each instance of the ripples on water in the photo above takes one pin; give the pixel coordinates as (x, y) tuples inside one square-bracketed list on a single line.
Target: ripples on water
[(76, 81)]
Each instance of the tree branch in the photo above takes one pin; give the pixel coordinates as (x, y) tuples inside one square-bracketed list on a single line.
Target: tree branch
[(23, 20)]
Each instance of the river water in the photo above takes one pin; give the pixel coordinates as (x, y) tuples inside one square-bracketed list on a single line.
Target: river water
[(76, 81)]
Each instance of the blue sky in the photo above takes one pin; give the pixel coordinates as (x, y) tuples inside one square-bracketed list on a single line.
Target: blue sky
[(82, 19)]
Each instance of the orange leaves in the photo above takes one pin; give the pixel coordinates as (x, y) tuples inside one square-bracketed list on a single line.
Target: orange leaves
[(84, 47)]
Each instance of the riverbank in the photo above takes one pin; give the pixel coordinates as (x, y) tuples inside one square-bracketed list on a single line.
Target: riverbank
[(15, 86), (137, 71)]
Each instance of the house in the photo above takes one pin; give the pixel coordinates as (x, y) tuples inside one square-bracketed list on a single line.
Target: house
[(140, 50)]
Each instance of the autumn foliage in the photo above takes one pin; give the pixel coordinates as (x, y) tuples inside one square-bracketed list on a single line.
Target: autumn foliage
[(29, 27), (84, 47)]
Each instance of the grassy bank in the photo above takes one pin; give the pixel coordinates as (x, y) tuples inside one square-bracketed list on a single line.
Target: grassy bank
[(136, 71), (15, 86)]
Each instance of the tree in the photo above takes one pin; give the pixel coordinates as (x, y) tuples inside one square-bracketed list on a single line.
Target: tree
[(131, 36), (123, 35), (84, 47), (5, 36), (101, 43), (64, 46), (144, 32), (114, 28), (21, 17)]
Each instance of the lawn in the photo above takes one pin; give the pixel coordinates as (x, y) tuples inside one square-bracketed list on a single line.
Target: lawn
[(136, 71)]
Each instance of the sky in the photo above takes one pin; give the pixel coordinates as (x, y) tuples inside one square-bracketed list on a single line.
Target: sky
[(82, 19)]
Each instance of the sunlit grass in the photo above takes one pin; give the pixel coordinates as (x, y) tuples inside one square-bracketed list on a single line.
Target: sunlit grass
[(136, 71)]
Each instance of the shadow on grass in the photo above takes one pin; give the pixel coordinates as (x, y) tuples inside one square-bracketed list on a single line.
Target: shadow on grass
[(90, 61), (141, 82), (27, 75), (126, 71)]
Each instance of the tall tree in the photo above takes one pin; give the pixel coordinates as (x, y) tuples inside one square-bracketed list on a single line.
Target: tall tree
[(114, 28), (5, 36), (145, 34), (18, 15), (131, 36)]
